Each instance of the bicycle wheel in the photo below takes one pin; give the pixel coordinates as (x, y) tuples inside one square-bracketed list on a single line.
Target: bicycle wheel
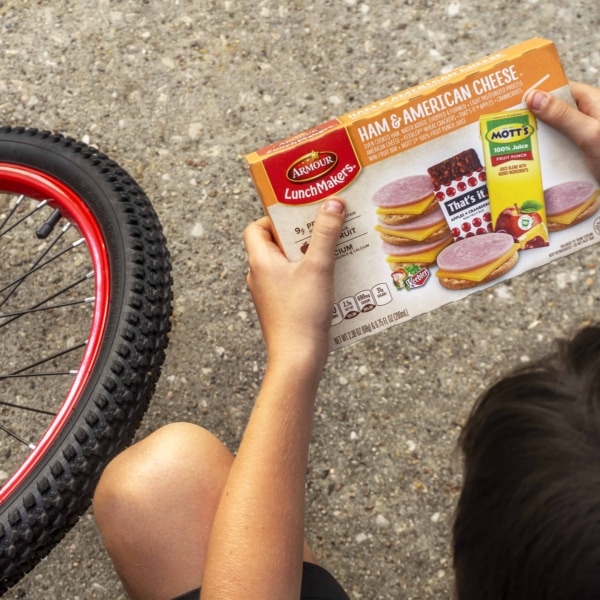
[(85, 306)]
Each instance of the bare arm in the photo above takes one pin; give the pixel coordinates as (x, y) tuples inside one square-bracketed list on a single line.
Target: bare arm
[(256, 544)]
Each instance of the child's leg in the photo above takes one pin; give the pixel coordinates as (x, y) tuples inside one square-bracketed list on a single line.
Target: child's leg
[(155, 505)]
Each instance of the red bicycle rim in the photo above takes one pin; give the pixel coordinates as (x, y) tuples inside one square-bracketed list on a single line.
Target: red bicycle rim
[(41, 186)]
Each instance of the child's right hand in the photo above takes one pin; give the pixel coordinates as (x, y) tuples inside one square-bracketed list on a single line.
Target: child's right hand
[(294, 300), (581, 124)]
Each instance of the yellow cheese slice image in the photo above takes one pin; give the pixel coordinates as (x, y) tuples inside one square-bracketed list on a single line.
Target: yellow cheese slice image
[(418, 235), (410, 209), (428, 256), (568, 217), (480, 273)]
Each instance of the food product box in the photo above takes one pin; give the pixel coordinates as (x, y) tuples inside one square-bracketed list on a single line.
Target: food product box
[(451, 186)]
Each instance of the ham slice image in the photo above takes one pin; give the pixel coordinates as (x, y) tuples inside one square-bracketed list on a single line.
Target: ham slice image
[(570, 203), (423, 253), (435, 217), (401, 193), (476, 260), (475, 252)]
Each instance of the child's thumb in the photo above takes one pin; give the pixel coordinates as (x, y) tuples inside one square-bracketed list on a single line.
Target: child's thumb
[(327, 228)]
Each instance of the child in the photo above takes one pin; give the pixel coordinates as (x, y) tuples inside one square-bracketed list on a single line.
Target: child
[(177, 511)]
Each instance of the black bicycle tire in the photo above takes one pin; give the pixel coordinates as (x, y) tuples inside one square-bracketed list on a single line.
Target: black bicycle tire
[(60, 488)]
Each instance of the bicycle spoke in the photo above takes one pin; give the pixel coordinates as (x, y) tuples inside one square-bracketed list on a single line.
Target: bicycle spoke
[(29, 311), (44, 360), (12, 212), (18, 438), (37, 261), (45, 264), (28, 408), (47, 374), (38, 208), (51, 297)]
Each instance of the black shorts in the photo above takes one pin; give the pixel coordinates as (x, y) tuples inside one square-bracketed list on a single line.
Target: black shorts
[(317, 584)]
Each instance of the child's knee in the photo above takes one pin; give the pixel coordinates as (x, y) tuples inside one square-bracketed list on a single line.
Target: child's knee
[(179, 456), (187, 447)]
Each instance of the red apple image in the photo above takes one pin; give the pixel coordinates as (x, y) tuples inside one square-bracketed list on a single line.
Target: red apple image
[(525, 224), (519, 220)]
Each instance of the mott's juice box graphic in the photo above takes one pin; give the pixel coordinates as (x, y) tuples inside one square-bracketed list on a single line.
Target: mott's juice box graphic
[(514, 177), (450, 186)]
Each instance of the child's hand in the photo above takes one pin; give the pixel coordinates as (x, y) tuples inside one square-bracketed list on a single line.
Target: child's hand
[(294, 300), (581, 124)]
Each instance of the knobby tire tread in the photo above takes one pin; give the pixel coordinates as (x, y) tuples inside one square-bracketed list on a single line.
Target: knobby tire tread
[(50, 502)]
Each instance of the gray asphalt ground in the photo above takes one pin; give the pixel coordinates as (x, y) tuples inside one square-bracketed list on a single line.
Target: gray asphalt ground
[(178, 91)]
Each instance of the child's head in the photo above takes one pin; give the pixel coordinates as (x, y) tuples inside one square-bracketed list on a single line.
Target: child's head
[(528, 519)]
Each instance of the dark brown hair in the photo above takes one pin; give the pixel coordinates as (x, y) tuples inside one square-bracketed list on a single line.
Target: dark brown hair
[(527, 525)]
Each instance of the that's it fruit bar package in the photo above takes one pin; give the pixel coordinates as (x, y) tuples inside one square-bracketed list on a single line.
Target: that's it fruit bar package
[(450, 187)]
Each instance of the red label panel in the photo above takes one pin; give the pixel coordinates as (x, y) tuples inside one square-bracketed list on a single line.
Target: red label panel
[(314, 170)]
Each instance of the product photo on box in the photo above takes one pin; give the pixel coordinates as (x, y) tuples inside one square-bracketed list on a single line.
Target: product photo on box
[(450, 186)]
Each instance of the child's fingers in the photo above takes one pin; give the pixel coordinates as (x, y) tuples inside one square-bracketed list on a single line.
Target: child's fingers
[(580, 127), (587, 98), (258, 233)]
